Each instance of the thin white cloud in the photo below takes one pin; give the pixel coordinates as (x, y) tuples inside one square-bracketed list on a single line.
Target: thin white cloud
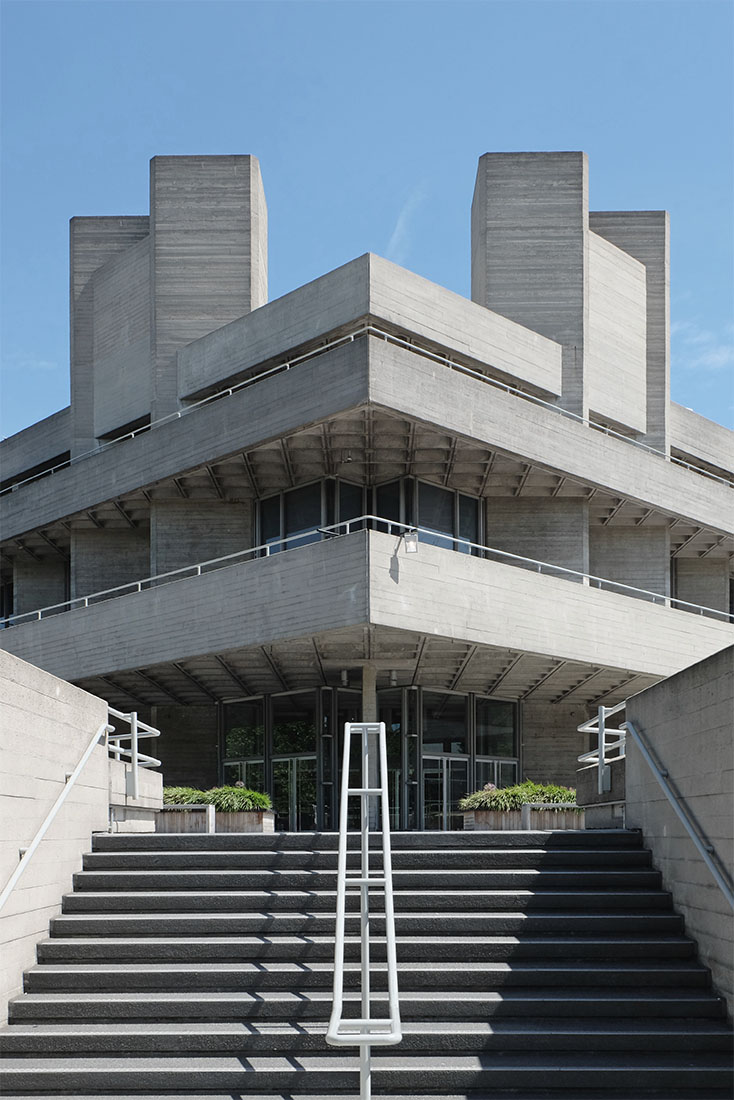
[(698, 348), (398, 247), (30, 363)]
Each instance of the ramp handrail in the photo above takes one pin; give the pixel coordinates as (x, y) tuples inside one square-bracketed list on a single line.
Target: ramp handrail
[(27, 855), (705, 850), (600, 757), (365, 1031), (114, 742)]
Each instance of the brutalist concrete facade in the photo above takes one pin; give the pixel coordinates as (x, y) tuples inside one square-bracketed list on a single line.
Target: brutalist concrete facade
[(575, 529)]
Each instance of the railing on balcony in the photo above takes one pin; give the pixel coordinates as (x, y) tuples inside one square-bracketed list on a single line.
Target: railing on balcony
[(410, 533), (413, 344)]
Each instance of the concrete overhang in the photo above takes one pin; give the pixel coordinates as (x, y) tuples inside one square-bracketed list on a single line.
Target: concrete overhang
[(371, 288), (361, 583), (365, 372)]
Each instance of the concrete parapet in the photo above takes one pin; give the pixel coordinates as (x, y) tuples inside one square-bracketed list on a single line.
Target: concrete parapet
[(47, 724), (687, 722)]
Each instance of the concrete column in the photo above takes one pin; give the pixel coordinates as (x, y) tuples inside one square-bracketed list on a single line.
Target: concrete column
[(552, 530), (645, 234), (39, 584), (92, 242), (369, 692), (638, 556), (185, 532), (208, 255), (104, 558), (704, 581), (530, 251)]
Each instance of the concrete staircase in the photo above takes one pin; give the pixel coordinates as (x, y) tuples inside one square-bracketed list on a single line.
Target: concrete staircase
[(531, 965)]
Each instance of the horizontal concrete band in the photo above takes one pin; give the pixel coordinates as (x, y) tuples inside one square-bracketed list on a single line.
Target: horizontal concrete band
[(367, 578), (371, 371)]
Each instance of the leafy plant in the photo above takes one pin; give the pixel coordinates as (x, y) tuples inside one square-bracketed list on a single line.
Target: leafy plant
[(224, 799), (236, 799), (182, 796), (513, 798)]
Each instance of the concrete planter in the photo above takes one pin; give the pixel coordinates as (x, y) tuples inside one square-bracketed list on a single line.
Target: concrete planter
[(198, 819), (541, 820)]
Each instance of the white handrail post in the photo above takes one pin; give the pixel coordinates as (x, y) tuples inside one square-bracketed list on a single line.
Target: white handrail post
[(134, 784), (366, 1059), (602, 749)]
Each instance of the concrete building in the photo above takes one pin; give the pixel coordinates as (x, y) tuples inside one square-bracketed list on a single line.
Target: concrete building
[(575, 528)]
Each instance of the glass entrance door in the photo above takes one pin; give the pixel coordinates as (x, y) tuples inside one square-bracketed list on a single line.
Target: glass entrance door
[(294, 793), (445, 781)]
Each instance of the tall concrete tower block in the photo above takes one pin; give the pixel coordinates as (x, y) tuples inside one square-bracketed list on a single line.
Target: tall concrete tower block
[(106, 344), (143, 287), (530, 249), (645, 235), (208, 259)]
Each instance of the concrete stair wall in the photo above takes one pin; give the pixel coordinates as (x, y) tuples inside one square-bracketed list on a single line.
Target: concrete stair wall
[(531, 965)]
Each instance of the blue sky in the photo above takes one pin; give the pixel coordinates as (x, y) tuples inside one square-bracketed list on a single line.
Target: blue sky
[(368, 118)]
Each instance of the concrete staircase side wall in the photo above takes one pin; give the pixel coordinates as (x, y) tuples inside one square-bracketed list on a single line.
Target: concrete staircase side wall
[(687, 721)]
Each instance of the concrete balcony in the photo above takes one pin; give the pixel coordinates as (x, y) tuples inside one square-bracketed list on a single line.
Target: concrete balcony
[(361, 595)]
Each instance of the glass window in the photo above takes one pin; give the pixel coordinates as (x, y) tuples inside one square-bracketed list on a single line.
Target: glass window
[(270, 520), (350, 502), (468, 523), (507, 770), (495, 728), (444, 722), (436, 512), (244, 732), (294, 723), (387, 502), (302, 513)]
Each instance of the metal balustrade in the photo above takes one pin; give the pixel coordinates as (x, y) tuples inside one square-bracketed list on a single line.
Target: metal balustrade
[(365, 1030), (602, 758), (414, 344), (114, 742), (346, 527)]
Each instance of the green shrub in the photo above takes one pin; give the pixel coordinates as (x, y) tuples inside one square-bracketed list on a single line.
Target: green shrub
[(236, 799), (513, 798), (224, 799), (181, 796)]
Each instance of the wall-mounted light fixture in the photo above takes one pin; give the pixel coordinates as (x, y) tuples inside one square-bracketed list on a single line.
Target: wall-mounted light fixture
[(393, 679), (345, 678), (410, 538)]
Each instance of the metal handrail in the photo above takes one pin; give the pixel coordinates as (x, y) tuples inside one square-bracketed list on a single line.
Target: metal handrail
[(136, 758), (345, 527), (365, 1031), (599, 756), (411, 344), (27, 855), (113, 741), (706, 851)]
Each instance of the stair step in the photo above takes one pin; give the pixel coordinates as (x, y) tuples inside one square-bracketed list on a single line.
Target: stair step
[(294, 842), (472, 859), (461, 1004), (487, 901), (432, 1037), (312, 946), (445, 923), (311, 880), (390, 1070), (319, 975)]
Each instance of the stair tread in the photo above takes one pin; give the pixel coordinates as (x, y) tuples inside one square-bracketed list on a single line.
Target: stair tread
[(596, 1061), (532, 1025)]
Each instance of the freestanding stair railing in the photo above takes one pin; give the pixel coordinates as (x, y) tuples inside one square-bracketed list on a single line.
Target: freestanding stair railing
[(365, 1031)]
